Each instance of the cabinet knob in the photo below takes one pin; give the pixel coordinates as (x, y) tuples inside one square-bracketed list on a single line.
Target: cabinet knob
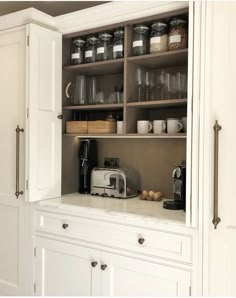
[(59, 116), (103, 266), (141, 240), (65, 226), (94, 264)]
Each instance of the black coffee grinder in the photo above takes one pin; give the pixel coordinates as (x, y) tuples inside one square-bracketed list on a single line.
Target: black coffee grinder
[(87, 161), (179, 189)]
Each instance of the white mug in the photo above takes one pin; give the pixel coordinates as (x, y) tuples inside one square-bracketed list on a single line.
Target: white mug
[(184, 121), (174, 125), (119, 127), (159, 126), (144, 126)]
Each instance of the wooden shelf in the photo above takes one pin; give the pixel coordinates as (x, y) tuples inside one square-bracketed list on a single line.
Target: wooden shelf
[(116, 106), (130, 136), (98, 68), (165, 59), (158, 104)]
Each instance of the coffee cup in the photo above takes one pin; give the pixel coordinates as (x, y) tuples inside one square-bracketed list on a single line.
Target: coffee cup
[(174, 125), (144, 126), (159, 126), (119, 127), (184, 121)]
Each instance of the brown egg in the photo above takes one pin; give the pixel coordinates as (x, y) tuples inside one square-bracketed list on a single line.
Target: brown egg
[(151, 193), (157, 196), (145, 193)]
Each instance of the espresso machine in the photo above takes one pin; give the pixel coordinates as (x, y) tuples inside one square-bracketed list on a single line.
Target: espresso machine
[(87, 161), (179, 188)]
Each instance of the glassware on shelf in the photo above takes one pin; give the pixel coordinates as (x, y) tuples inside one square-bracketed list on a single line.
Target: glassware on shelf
[(91, 46), (160, 82), (100, 97), (118, 44), (104, 47), (178, 36), (92, 90), (181, 84), (149, 85), (77, 52), (80, 95), (159, 38), (139, 78), (140, 40)]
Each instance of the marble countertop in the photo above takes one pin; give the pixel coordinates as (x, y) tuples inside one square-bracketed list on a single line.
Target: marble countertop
[(132, 207)]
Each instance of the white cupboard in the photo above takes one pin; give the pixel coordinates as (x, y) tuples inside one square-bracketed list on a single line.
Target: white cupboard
[(30, 99)]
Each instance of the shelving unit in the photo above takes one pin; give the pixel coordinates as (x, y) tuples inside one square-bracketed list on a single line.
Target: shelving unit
[(130, 136)]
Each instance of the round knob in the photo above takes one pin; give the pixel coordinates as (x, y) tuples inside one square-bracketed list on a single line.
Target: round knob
[(141, 240), (65, 226), (59, 116), (103, 266), (94, 264)]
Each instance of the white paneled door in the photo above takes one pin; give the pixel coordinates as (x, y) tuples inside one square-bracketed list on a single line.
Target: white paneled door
[(220, 243), (44, 105), (13, 213)]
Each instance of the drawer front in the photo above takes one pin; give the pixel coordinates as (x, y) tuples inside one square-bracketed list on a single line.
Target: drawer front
[(139, 240)]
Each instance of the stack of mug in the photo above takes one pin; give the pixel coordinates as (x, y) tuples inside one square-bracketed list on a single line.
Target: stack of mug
[(170, 126)]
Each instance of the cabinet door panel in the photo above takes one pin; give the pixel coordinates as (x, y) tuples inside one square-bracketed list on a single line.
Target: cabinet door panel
[(65, 270), (126, 276), (44, 102)]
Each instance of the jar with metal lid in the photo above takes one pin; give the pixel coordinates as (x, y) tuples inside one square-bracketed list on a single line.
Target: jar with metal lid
[(159, 38), (140, 40), (178, 36), (90, 51), (118, 44), (104, 47), (77, 52)]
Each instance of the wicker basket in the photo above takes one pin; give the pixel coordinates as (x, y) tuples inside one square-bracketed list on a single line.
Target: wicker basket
[(76, 126), (101, 127)]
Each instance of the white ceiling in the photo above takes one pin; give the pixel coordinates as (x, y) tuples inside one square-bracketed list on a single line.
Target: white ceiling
[(53, 8)]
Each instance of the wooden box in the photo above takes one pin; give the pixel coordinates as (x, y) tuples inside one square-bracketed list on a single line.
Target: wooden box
[(102, 127), (76, 126)]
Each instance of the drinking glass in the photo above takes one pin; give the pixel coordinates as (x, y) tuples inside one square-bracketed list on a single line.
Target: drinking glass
[(149, 85), (139, 77), (160, 82), (169, 86), (181, 84)]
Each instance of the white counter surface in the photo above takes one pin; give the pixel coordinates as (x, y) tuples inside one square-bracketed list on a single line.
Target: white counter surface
[(132, 208)]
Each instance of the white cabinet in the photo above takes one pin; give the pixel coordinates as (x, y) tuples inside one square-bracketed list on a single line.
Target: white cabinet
[(126, 276), (66, 270), (220, 244), (30, 91)]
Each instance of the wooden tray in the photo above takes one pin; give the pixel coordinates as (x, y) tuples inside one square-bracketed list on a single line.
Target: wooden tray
[(102, 127), (76, 126)]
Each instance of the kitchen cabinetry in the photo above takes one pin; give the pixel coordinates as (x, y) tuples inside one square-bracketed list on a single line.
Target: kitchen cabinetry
[(31, 134), (63, 268)]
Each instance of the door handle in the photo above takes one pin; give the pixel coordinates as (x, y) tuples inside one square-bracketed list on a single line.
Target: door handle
[(216, 219), (18, 131)]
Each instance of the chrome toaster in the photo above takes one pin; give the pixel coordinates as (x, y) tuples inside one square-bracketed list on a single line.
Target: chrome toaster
[(114, 182)]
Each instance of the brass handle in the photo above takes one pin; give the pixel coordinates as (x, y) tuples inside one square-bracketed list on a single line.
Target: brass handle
[(141, 240), (18, 131), (103, 266), (94, 264), (216, 219)]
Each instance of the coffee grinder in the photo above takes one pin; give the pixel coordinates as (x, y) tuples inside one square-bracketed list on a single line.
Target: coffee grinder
[(179, 188)]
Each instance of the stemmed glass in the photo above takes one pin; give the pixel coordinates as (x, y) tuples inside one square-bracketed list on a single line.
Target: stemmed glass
[(139, 77), (150, 84), (160, 82)]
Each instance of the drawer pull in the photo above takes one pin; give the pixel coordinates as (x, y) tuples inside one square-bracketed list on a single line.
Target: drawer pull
[(103, 266), (94, 264), (141, 240), (65, 226)]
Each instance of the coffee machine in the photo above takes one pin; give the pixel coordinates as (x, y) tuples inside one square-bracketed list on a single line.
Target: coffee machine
[(87, 161), (179, 188)]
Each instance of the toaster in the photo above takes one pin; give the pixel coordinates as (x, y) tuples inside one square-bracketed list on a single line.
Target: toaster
[(114, 182)]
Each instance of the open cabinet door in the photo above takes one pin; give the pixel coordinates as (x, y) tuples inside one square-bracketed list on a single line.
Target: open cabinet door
[(43, 127)]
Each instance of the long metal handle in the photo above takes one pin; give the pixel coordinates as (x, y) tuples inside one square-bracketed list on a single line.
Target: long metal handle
[(18, 131), (216, 218)]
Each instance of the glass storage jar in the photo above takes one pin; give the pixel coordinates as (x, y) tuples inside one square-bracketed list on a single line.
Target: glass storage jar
[(178, 36), (118, 44), (159, 38), (90, 51), (104, 47), (140, 40), (77, 52)]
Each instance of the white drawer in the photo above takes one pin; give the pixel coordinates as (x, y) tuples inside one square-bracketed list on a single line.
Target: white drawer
[(155, 243)]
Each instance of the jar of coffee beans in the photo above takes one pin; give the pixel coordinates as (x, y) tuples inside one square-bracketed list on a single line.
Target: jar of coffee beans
[(159, 37), (178, 37)]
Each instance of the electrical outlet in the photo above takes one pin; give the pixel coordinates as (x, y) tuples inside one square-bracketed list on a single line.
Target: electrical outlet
[(111, 162)]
